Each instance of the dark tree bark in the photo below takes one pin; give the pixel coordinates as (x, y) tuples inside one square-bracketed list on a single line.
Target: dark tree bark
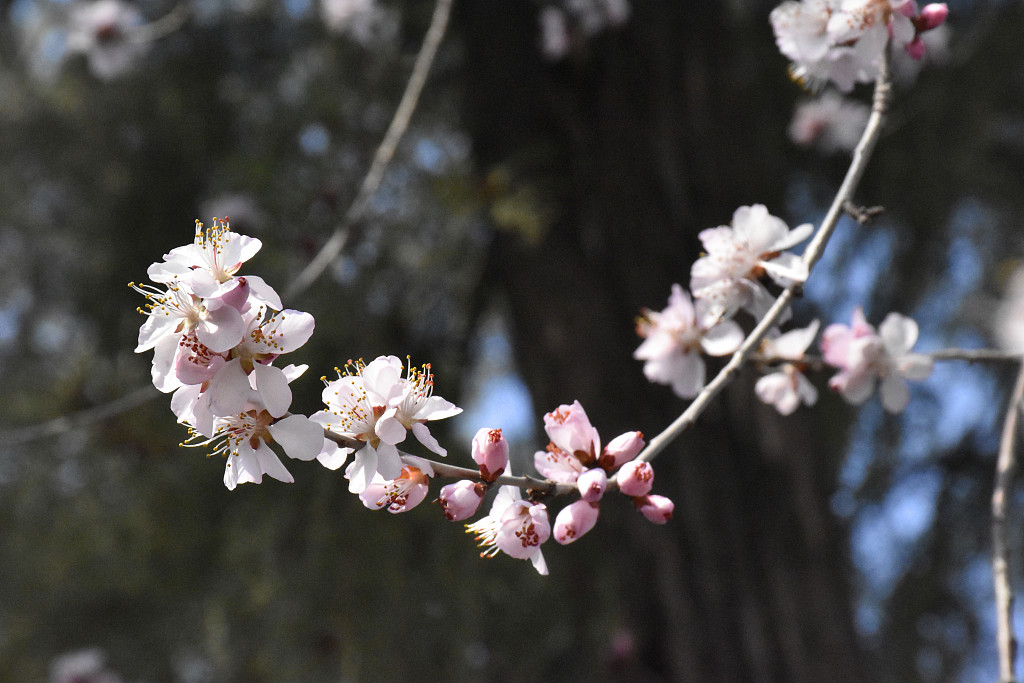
[(639, 139)]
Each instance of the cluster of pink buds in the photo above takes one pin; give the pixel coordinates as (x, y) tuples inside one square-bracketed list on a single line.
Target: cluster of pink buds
[(215, 340), (574, 456)]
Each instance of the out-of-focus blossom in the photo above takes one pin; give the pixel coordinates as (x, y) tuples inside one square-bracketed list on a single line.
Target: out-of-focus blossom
[(460, 500), (575, 520), (864, 355), (106, 32), (728, 277), (787, 386), (565, 24), (82, 666), (490, 452), (674, 339), (398, 495), (831, 123), (366, 21), (515, 527), (843, 40)]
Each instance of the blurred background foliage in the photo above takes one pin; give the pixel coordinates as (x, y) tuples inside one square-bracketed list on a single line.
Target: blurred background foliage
[(551, 186)]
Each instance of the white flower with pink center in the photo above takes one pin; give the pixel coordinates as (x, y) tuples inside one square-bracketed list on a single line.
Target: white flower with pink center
[(401, 494), (674, 339), (208, 265), (787, 387), (515, 527), (738, 256), (244, 439), (862, 355), (374, 404)]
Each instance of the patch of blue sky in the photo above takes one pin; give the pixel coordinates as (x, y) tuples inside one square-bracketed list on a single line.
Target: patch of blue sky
[(884, 537), (297, 8), (503, 402), (429, 155)]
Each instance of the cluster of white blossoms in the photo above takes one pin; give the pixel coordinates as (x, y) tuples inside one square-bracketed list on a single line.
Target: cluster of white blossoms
[(843, 41), (215, 336), (728, 279)]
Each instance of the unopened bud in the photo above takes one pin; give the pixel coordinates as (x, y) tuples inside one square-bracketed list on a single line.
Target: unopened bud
[(636, 478), (574, 521), (621, 450), (657, 509), (932, 16), (592, 484), (490, 452), (460, 500)]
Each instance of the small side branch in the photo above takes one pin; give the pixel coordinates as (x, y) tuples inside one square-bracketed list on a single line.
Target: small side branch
[(1006, 468), (399, 123)]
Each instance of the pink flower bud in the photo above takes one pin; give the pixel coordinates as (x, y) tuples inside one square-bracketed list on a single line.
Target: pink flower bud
[(592, 484), (932, 16), (460, 500), (575, 520), (620, 450), (657, 509), (915, 48), (636, 478), (490, 452)]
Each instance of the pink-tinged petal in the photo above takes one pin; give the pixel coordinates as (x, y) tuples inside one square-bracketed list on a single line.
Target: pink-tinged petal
[(241, 248), (575, 520), (389, 429), (332, 456), (422, 464), (361, 470), (162, 371), (272, 387), (389, 462), (247, 469), (716, 240), (777, 390), (221, 328), (229, 389), (155, 328), (383, 377), (759, 229), (722, 339), (793, 344), (759, 300), (423, 435), (915, 366), (293, 372), (272, 465), (636, 478), (657, 345), (807, 392), (183, 404), (301, 438), (524, 528), (895, 394), (570, 429), (263, 293), (436, 408), (558, 466), (681, 306), (855, 387), (537, 559), (898, 333), (794, 237), (285, 332), (237, 296), (786, 269), (916, 48), (657, 509), (591, 484), (194, 363), (689, 375)]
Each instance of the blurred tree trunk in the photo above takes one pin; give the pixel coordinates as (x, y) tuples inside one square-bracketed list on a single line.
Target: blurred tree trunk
[(621, 154)]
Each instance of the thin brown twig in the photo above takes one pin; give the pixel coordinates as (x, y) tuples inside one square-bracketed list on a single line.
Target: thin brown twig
[(1006, 468), (385, 152)]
